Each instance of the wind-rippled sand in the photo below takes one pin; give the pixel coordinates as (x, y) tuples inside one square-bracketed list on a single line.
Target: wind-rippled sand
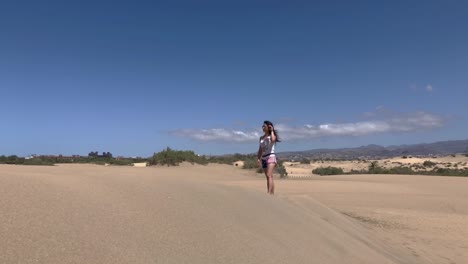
[(222, 214)]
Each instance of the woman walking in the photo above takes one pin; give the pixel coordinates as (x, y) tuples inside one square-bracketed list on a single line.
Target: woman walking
[(266, 153)]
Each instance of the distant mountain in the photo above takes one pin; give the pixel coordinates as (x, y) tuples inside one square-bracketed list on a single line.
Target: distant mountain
[(376, 151)]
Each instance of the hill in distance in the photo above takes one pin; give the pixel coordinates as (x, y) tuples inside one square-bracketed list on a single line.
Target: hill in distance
[(378, 152)]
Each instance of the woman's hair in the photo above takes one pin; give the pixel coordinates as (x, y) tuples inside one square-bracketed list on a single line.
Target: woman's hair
[(268, 123)]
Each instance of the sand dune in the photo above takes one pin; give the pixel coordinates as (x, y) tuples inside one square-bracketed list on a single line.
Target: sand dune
[(299, 170), (210, 214)]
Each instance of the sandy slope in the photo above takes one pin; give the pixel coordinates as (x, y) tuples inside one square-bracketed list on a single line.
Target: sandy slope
[(426, 215), (213, 214)]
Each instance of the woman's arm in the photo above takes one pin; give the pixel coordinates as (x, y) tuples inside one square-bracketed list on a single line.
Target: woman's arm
[(259, 155), (273, 135)]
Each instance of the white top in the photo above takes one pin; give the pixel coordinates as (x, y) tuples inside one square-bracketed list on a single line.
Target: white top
[(267, 146)]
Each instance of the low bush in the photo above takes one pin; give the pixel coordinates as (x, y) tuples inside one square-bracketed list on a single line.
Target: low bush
[(450, 172), (12, 159), (281, 170), (328, 171), (37, 161), (172, 157), (400, 170), (429, 163), (250, 164)]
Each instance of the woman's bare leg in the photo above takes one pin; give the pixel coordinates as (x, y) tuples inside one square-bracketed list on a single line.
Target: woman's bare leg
[(265, 170), (269, 175)]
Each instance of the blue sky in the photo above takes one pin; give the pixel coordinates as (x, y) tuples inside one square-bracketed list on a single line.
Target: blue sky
[(133, 77)]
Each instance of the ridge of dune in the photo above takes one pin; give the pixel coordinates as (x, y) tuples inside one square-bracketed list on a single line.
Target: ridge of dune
[(97, 214)]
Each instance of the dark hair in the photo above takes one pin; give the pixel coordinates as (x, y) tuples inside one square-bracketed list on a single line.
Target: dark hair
[(268, 123)]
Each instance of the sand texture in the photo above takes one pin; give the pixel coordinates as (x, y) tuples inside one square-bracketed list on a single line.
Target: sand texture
[(222, 214)]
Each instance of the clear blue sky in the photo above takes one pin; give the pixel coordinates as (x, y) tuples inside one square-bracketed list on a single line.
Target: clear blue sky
[(132, 77)]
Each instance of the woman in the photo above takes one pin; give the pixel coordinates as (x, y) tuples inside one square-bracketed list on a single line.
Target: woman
[(266, 153)]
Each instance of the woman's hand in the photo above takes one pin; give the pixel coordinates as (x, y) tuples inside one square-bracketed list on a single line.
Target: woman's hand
[(272, 133)]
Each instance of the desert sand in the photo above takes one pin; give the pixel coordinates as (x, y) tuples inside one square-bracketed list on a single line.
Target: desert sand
[(222, 214)]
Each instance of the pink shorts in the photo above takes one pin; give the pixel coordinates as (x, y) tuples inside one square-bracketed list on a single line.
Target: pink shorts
[(268, 159)]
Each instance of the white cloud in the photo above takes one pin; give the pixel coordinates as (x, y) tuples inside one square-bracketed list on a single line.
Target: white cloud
[(218, 134), (429, 88), (388, 122)]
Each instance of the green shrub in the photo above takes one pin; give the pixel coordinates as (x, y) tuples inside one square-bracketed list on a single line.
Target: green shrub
[(12, 159), (374, 168), (250, 163), (230, 159), (416, 166), (37, 161), (328, 171), (377, 170), (400, 170), (429, 163), (171, 157), (450, 172), (99, 162), (281, 170), (353, 171), (373, 165)]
